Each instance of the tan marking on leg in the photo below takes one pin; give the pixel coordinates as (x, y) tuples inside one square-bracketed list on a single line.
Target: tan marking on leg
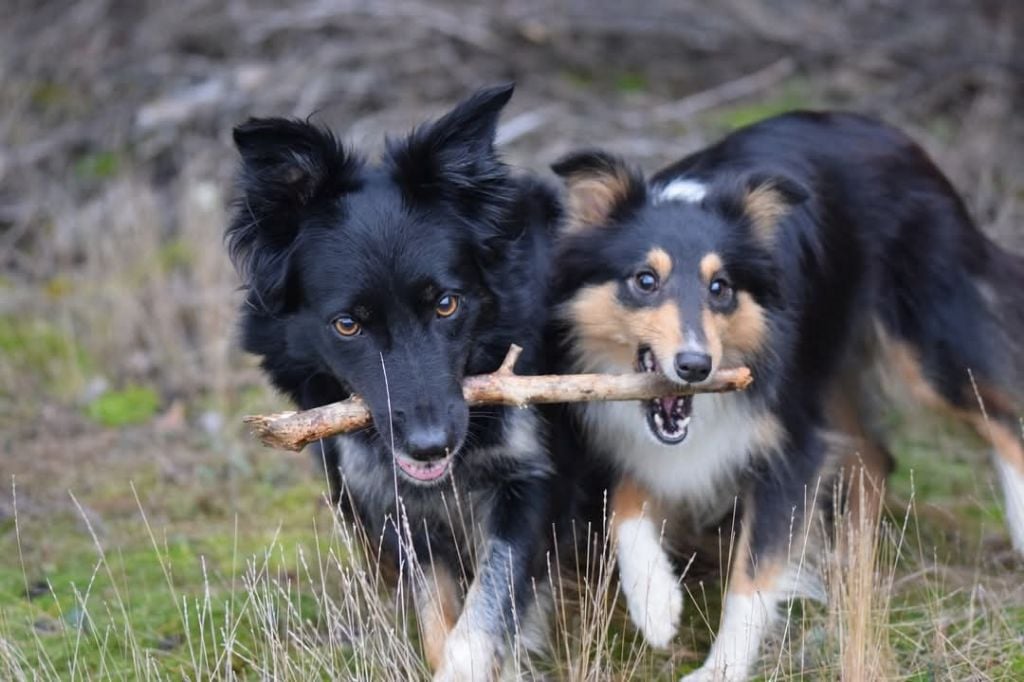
[(647, 578), (903, 360), (864, 457), (660, 262), (749, 574), (438, 610), (1005, 441), (749, 608), (709, 266), (630, 500)]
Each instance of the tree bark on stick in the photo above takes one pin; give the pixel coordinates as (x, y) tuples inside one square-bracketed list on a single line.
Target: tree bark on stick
[(293, 430)]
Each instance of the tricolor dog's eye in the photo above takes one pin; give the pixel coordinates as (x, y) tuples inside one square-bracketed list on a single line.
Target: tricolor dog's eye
[(646, 281), (721, 291), (346, 326), (447, 305)]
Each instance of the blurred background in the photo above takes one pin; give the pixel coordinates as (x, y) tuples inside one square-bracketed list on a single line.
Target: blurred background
[(119, 377)]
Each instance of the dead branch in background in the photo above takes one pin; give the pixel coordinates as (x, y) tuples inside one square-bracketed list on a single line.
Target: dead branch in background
[(293, 430)]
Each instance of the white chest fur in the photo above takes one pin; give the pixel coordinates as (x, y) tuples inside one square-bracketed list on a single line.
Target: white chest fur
[(700, 471)]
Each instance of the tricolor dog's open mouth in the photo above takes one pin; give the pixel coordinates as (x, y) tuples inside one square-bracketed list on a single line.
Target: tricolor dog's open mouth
[(668, 418), (424, 472)]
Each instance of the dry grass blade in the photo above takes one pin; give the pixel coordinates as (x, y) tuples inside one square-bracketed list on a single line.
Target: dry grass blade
[(293, 430)]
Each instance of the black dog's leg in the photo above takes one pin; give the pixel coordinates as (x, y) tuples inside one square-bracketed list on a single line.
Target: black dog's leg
[(771, 555), (502, 590)]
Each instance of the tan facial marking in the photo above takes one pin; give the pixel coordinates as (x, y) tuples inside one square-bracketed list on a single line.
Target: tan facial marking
[(660, 262), (732, 337), (709, 265), (714, 326), (765, 207), (607, 331), (593, 197), (746, 328)]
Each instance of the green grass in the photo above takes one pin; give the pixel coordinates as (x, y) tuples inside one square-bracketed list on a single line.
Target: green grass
[(98, 166), (130, 405), (44, 351), (789, 96)]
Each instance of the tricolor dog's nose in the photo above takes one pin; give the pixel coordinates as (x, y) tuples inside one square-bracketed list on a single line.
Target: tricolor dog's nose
[(692, 366)]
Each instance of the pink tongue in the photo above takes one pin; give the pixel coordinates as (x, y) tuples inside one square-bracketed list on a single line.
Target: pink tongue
[(666, 405)]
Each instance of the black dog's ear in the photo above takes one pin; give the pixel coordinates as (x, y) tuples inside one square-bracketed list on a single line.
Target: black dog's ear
[(601, 187), (471, 126), (763, 198), (453, 157), (286, 165), (288, 161)]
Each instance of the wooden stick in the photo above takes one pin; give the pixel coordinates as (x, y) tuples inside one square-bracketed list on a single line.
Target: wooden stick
[(293, 430)]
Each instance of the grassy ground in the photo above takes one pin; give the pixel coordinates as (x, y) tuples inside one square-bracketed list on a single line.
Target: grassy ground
[(142, 534), (174, 561)]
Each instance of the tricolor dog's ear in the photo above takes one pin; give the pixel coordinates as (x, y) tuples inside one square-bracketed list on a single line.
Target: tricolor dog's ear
[(768, 198), (763, 198), (760, 198), (601, 187)]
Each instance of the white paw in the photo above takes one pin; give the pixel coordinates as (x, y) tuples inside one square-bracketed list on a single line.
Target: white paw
[(656, 606), (469, 656), (649, 584)]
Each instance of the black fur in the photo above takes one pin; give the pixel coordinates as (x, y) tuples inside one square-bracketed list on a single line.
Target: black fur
[(318, 235)]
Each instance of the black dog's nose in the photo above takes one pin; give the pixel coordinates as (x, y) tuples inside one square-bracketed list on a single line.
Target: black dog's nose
[(427, 444), (693, 367)]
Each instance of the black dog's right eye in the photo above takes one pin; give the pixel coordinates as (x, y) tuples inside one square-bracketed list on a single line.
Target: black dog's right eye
[(346, 326), (646, 281)]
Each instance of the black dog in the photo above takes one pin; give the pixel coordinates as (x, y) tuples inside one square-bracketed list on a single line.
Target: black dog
[(811, 248), (394, 281)]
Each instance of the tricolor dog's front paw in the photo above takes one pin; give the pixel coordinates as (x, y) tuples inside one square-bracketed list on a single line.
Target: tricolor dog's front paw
[(469, 656), (712, 673), (649, 583)]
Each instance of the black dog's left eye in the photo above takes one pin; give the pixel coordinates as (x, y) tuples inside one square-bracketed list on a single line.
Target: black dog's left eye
[(447, 305), (720, 290)]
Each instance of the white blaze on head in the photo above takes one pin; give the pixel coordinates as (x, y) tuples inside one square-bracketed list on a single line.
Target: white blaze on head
[(683, 189)]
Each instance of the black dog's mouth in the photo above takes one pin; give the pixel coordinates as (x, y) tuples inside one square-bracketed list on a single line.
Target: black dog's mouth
[(668, 418), (424, 473)]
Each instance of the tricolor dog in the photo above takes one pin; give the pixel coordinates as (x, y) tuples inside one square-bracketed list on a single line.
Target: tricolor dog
[(812, 248)]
